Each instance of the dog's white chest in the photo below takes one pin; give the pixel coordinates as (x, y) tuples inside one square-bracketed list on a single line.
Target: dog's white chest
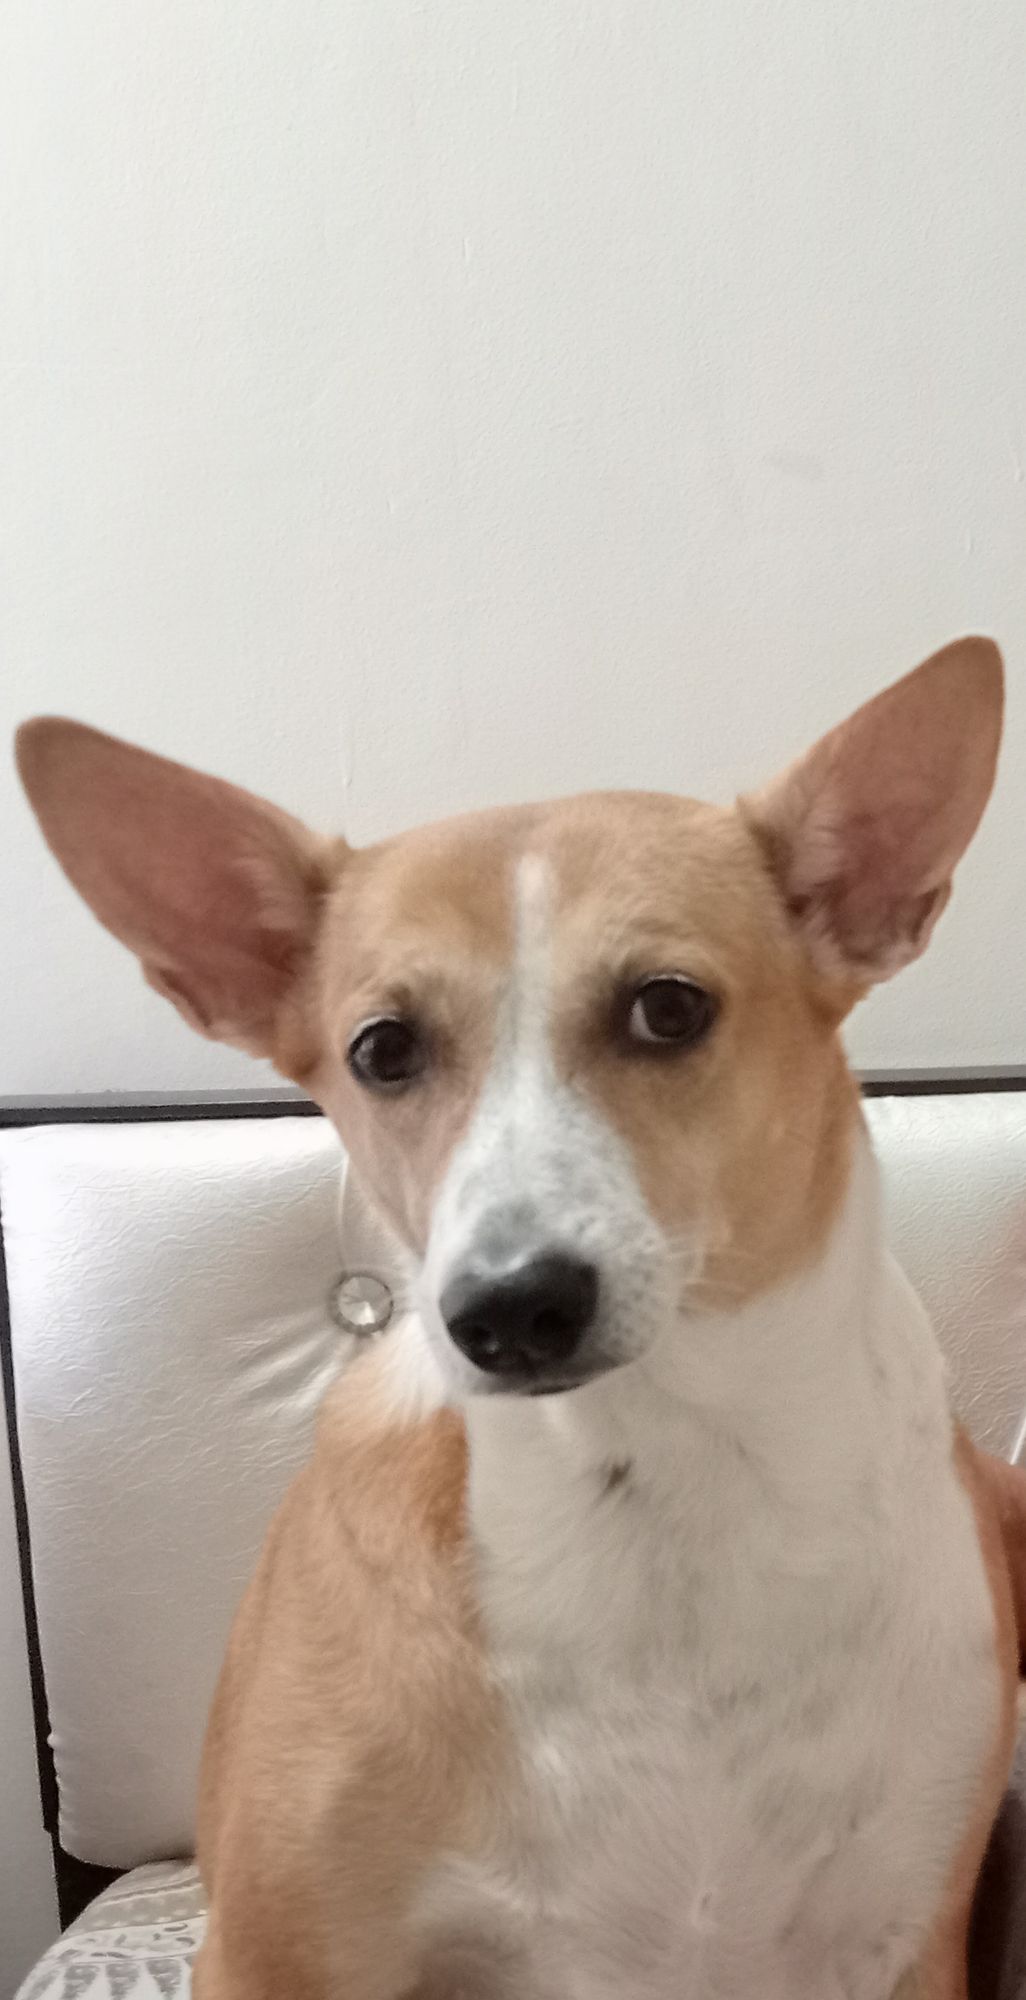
[(748, 1737), (662, 1845)]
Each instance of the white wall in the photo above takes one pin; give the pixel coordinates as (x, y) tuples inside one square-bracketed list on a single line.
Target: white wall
[(410, 406)]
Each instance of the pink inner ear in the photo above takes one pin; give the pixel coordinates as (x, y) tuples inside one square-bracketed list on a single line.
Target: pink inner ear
[(216, 890), (865, 831)]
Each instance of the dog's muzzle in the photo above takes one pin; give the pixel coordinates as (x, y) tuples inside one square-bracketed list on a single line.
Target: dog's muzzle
[(524, 1324)]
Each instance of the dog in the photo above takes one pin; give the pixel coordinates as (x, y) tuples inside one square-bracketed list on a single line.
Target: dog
[(643, 1623)]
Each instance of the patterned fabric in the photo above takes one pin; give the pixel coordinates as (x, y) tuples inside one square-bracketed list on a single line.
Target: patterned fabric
[(135, 1942), (138, 1940)]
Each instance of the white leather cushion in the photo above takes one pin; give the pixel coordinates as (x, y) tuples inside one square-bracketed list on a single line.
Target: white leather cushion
[(135, 1942), (955, 1181), (172, 1341)]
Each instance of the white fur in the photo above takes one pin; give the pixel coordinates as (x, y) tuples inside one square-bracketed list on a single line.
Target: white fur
[(732, 1593), (539, 1169), (753, 1684)]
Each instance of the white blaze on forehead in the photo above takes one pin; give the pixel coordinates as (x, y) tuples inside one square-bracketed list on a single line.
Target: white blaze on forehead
[(515, 1110), (532, 961), (540, 1168), (499, 1168)]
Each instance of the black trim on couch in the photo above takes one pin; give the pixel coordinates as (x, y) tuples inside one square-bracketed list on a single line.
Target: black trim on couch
[(79, 1881), (928, 1082), (144, 1107), (141, 1107)]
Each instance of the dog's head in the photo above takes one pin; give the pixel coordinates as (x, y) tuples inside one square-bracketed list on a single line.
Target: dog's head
[(585, 1055)]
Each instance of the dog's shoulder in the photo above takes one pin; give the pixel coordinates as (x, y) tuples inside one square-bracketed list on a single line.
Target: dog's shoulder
[(355, 1657), (383, 1477)]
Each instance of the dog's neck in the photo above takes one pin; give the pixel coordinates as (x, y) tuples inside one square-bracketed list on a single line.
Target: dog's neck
[(788, 1411), (788, 1401)]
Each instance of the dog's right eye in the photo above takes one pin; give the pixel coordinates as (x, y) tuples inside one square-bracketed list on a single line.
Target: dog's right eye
[(387, 1054), (671, 1012)]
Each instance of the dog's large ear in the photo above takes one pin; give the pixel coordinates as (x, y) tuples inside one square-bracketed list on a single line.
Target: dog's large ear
[(863, 833), (216, 891)]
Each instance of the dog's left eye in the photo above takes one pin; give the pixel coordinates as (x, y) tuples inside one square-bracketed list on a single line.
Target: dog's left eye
[(671, 1012), (388, 1053)]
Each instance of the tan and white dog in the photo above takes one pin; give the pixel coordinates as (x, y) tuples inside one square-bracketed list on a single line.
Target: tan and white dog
[(641, 1629)]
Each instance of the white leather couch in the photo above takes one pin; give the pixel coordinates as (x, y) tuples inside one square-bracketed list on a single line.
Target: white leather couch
[(172, 1290)]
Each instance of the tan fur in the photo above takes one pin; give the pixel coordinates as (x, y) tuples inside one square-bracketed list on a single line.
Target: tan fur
[(867, 887), (218, 892), (427, 920), (319, 1805), (355, 1735), (672, 883), (643, 882), (998, 1497), (342, 1594)]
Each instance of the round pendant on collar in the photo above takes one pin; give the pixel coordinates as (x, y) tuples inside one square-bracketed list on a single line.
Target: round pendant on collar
[(361, 1303)]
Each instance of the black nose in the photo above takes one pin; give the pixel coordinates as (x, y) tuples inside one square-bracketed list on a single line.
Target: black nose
[(526, 1320)]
